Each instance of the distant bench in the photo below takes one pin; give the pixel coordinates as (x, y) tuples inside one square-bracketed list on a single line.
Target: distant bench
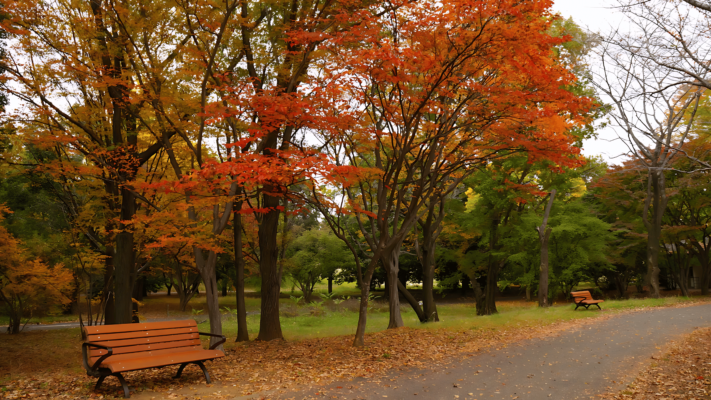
[(112, 349), (584, 299)]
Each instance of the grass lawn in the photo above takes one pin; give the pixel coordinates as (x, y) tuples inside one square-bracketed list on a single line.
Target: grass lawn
[(305, 322)]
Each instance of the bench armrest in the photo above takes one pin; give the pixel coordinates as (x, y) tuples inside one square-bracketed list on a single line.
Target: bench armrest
[(581, 299), (85, 353), (224, 339)]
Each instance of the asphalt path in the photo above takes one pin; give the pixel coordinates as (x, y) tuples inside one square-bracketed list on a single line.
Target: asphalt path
[(598, 357)]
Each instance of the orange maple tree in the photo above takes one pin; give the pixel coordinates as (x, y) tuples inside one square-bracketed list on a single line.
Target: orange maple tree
[(441, 88), (27, 285)]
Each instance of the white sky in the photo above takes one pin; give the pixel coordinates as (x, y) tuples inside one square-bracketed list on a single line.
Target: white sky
[(597, 16)]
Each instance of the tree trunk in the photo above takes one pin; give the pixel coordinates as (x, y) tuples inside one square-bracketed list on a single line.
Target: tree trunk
[(544, 233), (431, 228), (479, 297), (139, 288), (224, 289), (168, 283), (528, 292), (492, 273), (683, 279), (465, 285), (330, 284), (359, 340), (184, 300), (107, 293), (124, 262), (269, 324), (14, 327), (186, 290), (654, 229), (307, 291), (412, 301), (242, 334), (543, 277), (491, 289), (207, 269), (702, 256), (391, 263), (621, 283), (428, 273)]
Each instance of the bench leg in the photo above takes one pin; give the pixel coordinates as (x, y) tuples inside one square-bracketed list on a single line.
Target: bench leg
[(204, 371), (99, 382), (180, 370), (199, 364), (126, 392), (576, 306), (598, 307)]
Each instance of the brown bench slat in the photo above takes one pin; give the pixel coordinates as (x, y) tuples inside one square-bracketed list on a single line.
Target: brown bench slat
[(132, 335), (146, 347), (161, 360), (146, 340), (131, 356), (147, 326)]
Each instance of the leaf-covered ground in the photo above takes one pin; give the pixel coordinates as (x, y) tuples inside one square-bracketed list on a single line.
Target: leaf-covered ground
[(683, 373), (270, 367)]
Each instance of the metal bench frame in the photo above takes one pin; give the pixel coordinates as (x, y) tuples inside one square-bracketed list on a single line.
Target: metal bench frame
[(102, 373)]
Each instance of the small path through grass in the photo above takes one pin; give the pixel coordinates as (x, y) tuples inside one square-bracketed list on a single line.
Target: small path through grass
[(600, 357)]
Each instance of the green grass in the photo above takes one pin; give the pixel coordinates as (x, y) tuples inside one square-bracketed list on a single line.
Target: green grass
[(49, 319), (452, 316)]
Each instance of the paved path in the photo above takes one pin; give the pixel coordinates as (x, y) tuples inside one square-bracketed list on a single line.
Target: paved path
[(593, 359)]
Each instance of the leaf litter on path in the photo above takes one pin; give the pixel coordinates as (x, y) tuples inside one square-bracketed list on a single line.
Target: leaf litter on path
[(682, 373)]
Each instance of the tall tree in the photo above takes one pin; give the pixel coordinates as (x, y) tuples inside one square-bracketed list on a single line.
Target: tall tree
[(99, 79), (649, 111), (439, 95)]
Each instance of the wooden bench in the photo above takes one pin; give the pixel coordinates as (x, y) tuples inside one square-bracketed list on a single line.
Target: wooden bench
[(584, 299), (110, 350)]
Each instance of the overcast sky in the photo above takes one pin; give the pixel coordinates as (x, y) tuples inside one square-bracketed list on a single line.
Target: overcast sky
[(597, 16)]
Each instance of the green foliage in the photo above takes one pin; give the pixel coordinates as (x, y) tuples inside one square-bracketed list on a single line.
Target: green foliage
[(315, 255)]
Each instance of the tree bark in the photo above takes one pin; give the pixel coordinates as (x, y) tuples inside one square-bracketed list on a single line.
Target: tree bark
[(168, 285), (622, 282), (186, 287), (359, 339), (108, 290), (139, 288), (242, 333), (412, 301), (654, 230), (544, 233), (14, 327), (124, 261), (269, 324), (431, 228), (479, 298), (207, 269), (491, 289), (703, 257), (391, 263)]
